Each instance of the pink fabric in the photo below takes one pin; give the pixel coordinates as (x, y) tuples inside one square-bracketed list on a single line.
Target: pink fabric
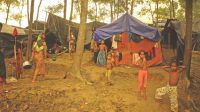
[(142, 79)]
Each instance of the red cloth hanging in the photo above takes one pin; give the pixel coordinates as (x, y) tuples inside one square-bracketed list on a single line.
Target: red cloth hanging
[(14, 33), (19, 61)]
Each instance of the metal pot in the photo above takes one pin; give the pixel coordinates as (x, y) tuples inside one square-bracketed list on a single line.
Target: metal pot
[(27, 65)]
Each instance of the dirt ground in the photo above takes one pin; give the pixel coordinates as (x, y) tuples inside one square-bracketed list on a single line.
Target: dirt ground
[(55, 94)]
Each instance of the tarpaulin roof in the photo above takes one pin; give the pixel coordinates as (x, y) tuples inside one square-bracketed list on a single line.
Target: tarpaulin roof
[(126, 23)]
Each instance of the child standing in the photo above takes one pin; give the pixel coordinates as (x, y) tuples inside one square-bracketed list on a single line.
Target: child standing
[(109, 67), (142, 75), (171, 87)]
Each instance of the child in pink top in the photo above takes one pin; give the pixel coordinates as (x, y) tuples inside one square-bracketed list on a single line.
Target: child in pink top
[(142, 75)]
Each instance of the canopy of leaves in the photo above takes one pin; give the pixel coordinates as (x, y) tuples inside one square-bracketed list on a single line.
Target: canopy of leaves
[(17, 16), (56, 8)]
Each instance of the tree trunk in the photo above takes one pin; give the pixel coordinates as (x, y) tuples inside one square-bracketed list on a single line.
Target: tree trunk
[(7, 11), (170, 9), (173, 11), (157, 14), (111, 11), (76, 67), (21, 11), (132, 4), (70, 18), (184, 82), (65, 9), (72, 7), (28, 53), (118, 9), (28, 11), (152, 17), (126, 6), (38, 11), (96, 11)]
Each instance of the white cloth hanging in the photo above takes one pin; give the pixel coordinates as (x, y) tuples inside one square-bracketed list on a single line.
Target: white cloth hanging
[(114, 43)]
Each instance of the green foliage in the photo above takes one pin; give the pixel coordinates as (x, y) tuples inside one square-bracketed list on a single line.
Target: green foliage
[(164, 9), (11, 2), (56, 8), (17, 16), (196, 9)]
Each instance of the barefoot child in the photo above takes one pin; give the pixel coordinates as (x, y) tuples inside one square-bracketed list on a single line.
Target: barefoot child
[(142, 75), (109, 67), (171, 87)]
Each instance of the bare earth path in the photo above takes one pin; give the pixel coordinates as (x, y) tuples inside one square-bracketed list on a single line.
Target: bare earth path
[(55, 94)]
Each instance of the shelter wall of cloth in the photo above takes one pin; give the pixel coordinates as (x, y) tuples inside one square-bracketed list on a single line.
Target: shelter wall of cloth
[(130, 49), (57, 25)]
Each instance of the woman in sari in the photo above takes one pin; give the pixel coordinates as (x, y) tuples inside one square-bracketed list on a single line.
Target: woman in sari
[(101, 58), (39, 54)]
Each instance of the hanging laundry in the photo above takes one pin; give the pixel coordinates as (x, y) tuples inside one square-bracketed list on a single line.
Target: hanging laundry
[(135, 58), (119, 56), (130, 36), (156, 45), (154, 51), (118, 38), (147, 56), (114, 43), (123, 38), (150, 54), (136, 38)]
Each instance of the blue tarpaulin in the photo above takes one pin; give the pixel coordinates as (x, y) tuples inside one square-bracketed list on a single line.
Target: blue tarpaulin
[(126, 23)]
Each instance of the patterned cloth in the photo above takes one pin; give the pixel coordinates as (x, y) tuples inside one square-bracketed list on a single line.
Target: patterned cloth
[(39, 60), (172, 92), (101, 58)]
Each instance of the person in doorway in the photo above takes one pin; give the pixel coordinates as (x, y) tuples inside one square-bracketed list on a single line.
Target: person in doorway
[(71, 44), (142, 75), (39, 54), (171, 87), (101, 58)]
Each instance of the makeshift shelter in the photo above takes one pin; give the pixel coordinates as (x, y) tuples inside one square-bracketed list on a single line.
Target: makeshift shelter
[(57, 25), (91, 26), (58, 28), (7, 40), (173, 38), (9, 29), (132, 36), (39, 25)]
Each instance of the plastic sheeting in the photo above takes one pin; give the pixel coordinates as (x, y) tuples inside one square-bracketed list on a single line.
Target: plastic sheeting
[(57, 26), (126, 23)]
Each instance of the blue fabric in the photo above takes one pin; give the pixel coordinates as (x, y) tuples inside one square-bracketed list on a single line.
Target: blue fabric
[(101, 58), (126, 23)]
